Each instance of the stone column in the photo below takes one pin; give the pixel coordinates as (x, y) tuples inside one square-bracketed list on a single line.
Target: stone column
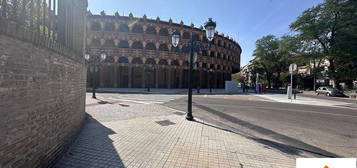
[(200, 78), (180, 77), (129, 76), (157, 77), (215, 79), (143, 78), (115, 78), (169, 73), (101, 76)]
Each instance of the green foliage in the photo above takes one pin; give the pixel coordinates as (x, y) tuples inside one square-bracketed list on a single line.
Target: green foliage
[(238, 77), (330, 29), (273, 56)]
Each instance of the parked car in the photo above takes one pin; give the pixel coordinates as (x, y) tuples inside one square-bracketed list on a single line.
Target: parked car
[(328, 91)]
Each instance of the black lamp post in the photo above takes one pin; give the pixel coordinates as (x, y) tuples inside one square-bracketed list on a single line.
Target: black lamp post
[(210, 74), (191, 47), (94, 63)]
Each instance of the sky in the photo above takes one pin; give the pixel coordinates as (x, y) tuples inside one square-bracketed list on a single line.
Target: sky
[(244, 20)]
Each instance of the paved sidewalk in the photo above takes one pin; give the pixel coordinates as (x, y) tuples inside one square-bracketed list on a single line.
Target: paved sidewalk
[(306, 100), (125, 134)]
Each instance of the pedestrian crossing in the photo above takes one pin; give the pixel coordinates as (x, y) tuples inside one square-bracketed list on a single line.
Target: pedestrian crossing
[(147, 99)]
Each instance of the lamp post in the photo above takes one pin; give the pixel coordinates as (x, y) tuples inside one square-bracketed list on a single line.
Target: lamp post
[(192, 47), (210, 83), (94, 63)]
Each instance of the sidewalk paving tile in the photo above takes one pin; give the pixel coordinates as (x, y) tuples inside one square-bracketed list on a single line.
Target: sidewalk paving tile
[(112, 139)]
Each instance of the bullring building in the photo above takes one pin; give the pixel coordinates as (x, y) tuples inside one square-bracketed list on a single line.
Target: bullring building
[(140, 54)]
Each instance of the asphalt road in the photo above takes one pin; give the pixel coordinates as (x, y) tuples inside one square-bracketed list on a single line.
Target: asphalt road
[(297, 130)]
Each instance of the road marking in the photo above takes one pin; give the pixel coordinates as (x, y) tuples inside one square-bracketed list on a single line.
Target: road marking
[(294, 110)]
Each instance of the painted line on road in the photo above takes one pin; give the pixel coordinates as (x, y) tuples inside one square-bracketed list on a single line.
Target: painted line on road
[(303, 111)]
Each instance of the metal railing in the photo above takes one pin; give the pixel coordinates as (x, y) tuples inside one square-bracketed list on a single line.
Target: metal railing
[(34, 21)]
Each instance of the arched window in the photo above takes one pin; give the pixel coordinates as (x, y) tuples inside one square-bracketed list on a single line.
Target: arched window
[(150, 61), (163, 32), (196, 37), (163, 47), (137, 29), (96, 26), (109, 27), (204, 52), (123, 60), (123, 44), (186, 35), (151, 30), (162, 62), (137, 45), (109, 43), (150, 46), (123, 28), (95, 42), (205, 40), (137, 60), (175, 63)]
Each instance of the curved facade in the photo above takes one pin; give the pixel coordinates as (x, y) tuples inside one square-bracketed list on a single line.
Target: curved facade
[(140, 54)]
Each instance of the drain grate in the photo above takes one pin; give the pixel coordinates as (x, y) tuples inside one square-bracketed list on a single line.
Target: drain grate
[(103, 102), (165, 122), (179, 113)]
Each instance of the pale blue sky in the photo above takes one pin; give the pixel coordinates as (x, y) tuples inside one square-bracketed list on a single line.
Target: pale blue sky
[(244, 20)]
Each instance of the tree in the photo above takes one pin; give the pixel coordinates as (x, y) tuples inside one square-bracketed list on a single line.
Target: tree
[(332, 25), (239, 77), (274, 55)]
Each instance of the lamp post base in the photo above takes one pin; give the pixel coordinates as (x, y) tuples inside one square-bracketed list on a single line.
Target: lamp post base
[(189, 117)]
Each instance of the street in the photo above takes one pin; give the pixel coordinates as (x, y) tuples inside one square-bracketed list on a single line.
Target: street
[(300, 130)]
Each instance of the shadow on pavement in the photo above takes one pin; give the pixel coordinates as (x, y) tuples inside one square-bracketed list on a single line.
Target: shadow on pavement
[(92, 148), (292, 146)]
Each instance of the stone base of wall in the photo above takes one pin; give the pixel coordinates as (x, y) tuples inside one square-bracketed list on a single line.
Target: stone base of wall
[(42, 103)]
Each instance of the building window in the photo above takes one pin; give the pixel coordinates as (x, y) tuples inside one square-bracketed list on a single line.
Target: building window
[(95, 42), (162, 62), (150, 61), (109, 43), (196, 37), (150, 46), (137, 45), (151, 30), (163, 32), (163, 47), (137, 60), (175, 63), (186, 35), (123, 28), (137, 29), (123, 44), (109, 27), (96, 26)]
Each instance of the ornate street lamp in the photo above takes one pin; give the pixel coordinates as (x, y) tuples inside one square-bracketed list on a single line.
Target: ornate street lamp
[(192, 47), (94, 63)]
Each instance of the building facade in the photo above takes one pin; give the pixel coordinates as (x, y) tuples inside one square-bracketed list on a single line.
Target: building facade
[(140, 54)]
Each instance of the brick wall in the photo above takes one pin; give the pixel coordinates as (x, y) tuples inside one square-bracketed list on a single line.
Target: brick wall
[(42, 100)]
